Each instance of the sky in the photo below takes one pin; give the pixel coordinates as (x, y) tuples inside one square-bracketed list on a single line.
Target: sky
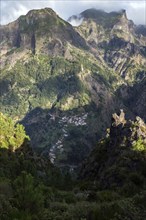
[(10, 10)]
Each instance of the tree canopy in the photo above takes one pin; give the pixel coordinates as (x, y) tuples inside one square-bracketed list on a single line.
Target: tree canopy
[(12, 135)]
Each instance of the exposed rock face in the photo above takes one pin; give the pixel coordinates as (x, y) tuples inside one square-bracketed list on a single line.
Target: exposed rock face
[(134, 96), (141, 29), (116, 159), (140, 129), (117, 120), (124, 132), (50, 67), (40, 30), (116, 39)]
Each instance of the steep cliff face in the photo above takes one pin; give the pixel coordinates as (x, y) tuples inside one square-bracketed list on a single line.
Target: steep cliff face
[(141, 30), (120, 158), (40, 31), (134, 96), (116, 40), (67, 80)]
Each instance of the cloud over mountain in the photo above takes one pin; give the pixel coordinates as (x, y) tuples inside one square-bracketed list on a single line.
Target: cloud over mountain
[(11, 10)]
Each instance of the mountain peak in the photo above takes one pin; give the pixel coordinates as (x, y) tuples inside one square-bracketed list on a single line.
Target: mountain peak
[(93, 13), (38, 16), (98, 15), (106, 19), (38, 12)]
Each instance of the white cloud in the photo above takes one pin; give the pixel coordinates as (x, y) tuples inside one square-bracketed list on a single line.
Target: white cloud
[(11, 10)]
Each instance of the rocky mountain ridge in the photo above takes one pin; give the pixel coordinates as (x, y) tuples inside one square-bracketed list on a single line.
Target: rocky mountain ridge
[(116, 38), (40, 31), (120, 155), (69, 80)]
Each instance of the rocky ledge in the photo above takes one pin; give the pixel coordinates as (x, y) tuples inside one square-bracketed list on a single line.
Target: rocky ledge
[(120, 158)]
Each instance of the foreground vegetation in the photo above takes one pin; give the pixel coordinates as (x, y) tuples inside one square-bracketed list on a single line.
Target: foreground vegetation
[(31, 188), (66, 82)]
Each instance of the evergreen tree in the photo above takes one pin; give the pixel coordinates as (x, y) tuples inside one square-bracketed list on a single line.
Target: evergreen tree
[(11, 136)]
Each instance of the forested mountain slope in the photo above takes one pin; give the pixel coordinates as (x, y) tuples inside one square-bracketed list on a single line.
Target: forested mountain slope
[(111, 183), (67, 81)]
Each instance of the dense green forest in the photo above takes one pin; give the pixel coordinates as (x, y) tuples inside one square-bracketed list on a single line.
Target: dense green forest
[(31, 188)]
